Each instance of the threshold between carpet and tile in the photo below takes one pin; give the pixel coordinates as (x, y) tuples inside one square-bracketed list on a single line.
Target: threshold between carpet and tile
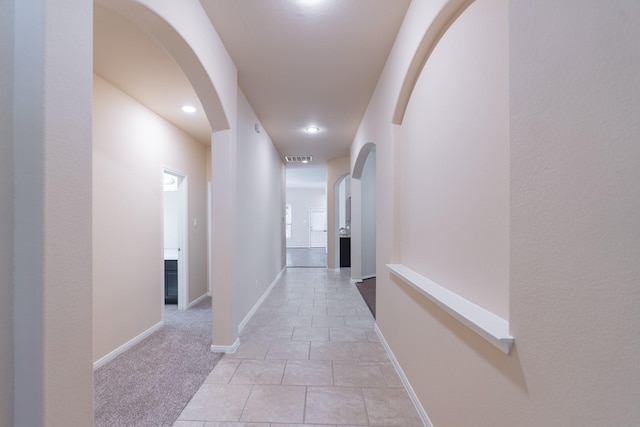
[(152, 382)]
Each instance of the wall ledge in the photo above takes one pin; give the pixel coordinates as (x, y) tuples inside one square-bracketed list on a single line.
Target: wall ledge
[(488, 325)]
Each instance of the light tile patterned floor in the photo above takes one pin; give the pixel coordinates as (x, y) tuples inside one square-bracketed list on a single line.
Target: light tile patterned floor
[(308, 357)]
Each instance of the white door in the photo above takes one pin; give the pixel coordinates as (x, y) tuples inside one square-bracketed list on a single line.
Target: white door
[(317, 227)]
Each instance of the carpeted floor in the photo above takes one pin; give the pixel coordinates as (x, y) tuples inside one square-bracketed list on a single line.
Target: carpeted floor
[(367, 289), (151, 383)]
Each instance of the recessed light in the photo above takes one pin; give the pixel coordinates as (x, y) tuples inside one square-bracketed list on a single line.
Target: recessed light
[(312, 129), (189, 109)]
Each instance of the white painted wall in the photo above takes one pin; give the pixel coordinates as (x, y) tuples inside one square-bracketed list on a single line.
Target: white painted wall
[(368, 215), (6, 212), (131, 147), (301, 199), (571, 273), (260, 214)]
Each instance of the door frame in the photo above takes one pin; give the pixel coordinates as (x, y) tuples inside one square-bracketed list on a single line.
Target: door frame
[(183, 238)]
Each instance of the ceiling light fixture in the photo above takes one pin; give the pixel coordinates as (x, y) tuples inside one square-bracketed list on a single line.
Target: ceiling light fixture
[(312, 129), (189, 109)]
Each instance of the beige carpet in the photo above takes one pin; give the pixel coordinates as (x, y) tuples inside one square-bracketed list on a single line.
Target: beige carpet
[(151, 383)]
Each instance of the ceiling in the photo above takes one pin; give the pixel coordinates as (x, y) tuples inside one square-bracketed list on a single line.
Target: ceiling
[(300, 63), (129, 58)]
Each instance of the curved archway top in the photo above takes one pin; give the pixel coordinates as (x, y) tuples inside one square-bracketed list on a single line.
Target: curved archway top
[(340, 179), (182, 52), (358, 167), (450, 11)]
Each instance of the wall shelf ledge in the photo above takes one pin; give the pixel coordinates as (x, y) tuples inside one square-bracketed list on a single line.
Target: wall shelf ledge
[(488, 325)]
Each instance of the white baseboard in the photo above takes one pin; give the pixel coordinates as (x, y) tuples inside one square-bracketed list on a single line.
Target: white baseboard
[(407, 385), (197, 300), (249, 315), (124, 347), (371, 276), (354, 281), (226, 348)]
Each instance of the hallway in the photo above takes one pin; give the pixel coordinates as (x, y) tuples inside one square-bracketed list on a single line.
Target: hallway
[(309, 356), (306, 257)]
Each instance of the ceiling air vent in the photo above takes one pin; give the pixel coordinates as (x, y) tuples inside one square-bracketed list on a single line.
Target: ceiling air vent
[(298, 159)]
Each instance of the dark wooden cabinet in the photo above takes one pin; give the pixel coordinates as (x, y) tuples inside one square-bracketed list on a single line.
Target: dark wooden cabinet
[(170, 281), (345, 251)]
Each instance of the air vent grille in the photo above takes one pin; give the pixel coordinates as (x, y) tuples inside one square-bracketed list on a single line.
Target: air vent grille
[(298, 159)]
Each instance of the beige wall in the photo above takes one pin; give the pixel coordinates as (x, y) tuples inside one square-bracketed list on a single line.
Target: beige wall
[(51, 161), (132, 145), (6, 212), (455, 161), (367, 216), (336, 168), (572, 228), (260, 211)]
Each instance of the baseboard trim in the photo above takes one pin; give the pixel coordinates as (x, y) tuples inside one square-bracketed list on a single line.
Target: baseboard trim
[(197, 300), (371, 276), (228, 349), (354, 281), (407, 385), (126, 346), (257, 305)]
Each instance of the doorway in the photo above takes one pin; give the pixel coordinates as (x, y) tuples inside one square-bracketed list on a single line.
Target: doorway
[(318, 228), (174, 201)]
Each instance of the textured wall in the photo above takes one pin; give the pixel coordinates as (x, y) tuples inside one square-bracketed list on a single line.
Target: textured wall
[(132, 145), (455, 161), (572, 289), (575, 102), (260, 225), (52, 170)]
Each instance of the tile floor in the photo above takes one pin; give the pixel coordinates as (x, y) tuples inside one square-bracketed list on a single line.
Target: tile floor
[(309, 357)]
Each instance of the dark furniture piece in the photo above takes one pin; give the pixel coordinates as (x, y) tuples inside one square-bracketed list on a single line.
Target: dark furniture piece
[(345, 251), (170, 281)]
